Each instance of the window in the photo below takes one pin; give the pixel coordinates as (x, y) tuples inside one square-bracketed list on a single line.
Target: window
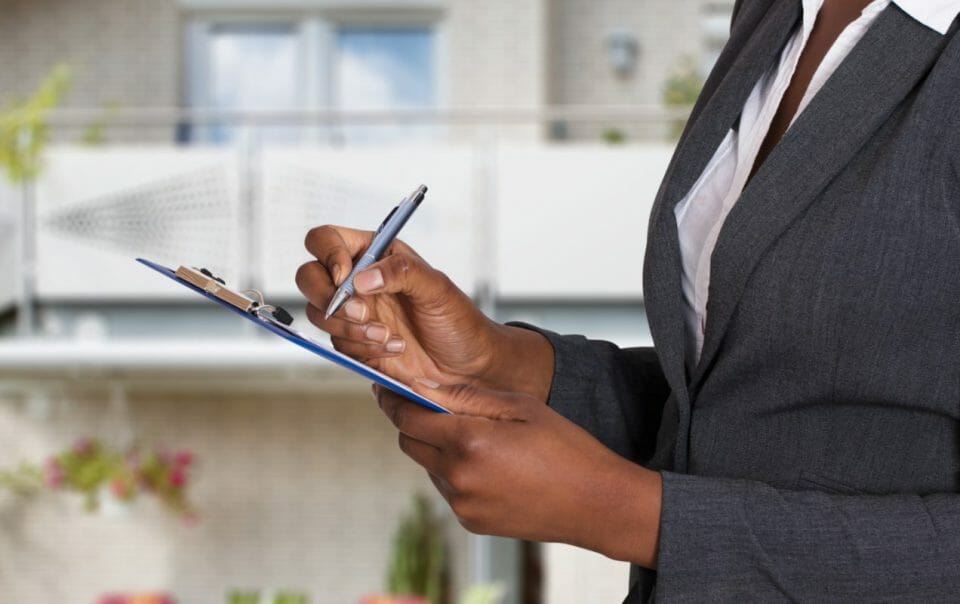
[(385, 69), (311, 63), (247, 67)]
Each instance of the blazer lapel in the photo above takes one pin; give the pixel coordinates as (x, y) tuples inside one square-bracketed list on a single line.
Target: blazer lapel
[(662, 291), (878, 74), (723, 108)]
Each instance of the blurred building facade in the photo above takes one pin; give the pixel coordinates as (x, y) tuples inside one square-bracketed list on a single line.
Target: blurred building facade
[(224, 130)]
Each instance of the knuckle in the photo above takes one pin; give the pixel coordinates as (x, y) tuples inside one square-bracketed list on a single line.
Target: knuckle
[(461, 394), (404, 442), (315, 236), (466, 514), (356, 331), (325, 243), (398, 417), (473, 444), (343, 345), (302, 278), (459, 481)]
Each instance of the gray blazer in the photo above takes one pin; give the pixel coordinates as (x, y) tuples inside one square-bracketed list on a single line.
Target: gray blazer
[(814, 453)]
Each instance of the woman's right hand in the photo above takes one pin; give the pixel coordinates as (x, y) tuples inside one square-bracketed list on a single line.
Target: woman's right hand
[(410, 321)]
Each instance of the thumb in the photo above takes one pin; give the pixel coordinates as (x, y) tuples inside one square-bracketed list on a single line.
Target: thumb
[(407, 274), (464, 399)]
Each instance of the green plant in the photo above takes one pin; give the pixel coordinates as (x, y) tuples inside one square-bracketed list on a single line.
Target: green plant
[(614, 136), (89, 467), (95, 134), (418, 560), (682, 88), (24, 130), (243, 597)]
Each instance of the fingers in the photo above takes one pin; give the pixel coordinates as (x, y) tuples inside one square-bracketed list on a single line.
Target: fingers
[(441, 485), (365, 352), (439, 430), (317, 287), (424, 454), (336, 247), (316, 284), (464, 399), (359, 340), (407, 274)]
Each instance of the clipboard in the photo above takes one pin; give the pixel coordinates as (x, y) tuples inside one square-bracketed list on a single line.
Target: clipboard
[(237, 303)]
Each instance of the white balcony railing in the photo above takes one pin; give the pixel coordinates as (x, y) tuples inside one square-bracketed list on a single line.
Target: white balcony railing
[(509, 218)]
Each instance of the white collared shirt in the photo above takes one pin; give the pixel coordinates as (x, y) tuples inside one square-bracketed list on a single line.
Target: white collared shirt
[(701, 213)]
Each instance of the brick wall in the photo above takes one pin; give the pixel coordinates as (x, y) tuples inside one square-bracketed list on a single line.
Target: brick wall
[(495, 53), (122, 52)]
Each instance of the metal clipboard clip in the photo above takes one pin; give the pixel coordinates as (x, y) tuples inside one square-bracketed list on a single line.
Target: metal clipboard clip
[(249, 301)]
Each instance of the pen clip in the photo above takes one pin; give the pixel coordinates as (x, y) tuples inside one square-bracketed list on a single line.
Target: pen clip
[(387, 219)]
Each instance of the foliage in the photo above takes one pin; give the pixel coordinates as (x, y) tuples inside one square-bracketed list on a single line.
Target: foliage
[(418, 564), (89, 467), (682, 88), (95, 133), (614, 136), (24, 130), (254, 597)]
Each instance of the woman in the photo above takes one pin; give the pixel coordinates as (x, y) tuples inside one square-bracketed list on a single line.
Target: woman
[(794, 434)]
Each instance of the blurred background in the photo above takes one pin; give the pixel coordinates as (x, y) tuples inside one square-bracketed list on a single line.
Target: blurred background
[(155, 448)]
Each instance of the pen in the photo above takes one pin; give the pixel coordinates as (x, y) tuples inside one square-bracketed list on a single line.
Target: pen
[(386, 233)]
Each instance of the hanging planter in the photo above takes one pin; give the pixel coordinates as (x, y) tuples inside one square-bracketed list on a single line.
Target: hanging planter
[(102, 475)]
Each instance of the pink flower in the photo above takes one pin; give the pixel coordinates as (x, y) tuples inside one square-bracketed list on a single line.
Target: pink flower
[(84, 446), (120, 488), (178, 477), (183, 458), (54, 474)]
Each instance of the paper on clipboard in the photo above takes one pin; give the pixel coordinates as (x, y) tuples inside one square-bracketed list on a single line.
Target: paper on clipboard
[(306, 343)]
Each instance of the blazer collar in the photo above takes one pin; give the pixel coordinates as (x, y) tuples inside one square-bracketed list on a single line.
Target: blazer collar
[(754, 47), (878, 74)]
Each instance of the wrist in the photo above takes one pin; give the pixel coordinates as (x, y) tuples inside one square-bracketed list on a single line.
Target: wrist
[(629, 529), (521, 360)]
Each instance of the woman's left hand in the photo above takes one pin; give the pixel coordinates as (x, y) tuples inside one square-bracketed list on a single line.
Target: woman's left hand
[(509, 465)]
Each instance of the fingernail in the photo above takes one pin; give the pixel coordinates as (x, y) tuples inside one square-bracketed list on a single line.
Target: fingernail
[(368, 281), (336, 274), (373, 391), (377, 333), (396, 345), (355, 309), (427, 383)]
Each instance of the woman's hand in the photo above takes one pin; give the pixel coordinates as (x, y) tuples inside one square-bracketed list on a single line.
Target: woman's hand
[(509, 465), (409, 319)]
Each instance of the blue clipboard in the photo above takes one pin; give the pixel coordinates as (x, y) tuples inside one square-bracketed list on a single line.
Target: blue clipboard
[(313, 346)]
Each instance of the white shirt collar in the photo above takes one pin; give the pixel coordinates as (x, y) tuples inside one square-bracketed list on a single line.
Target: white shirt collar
[(938, 15)]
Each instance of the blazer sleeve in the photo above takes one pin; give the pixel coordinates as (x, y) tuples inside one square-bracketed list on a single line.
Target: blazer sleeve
[(735, 540), (616, 394)]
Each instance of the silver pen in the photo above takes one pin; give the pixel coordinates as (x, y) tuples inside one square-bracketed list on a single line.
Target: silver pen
[(386, 233)]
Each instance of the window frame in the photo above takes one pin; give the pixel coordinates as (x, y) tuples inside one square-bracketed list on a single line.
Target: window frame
[(317, 47)]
